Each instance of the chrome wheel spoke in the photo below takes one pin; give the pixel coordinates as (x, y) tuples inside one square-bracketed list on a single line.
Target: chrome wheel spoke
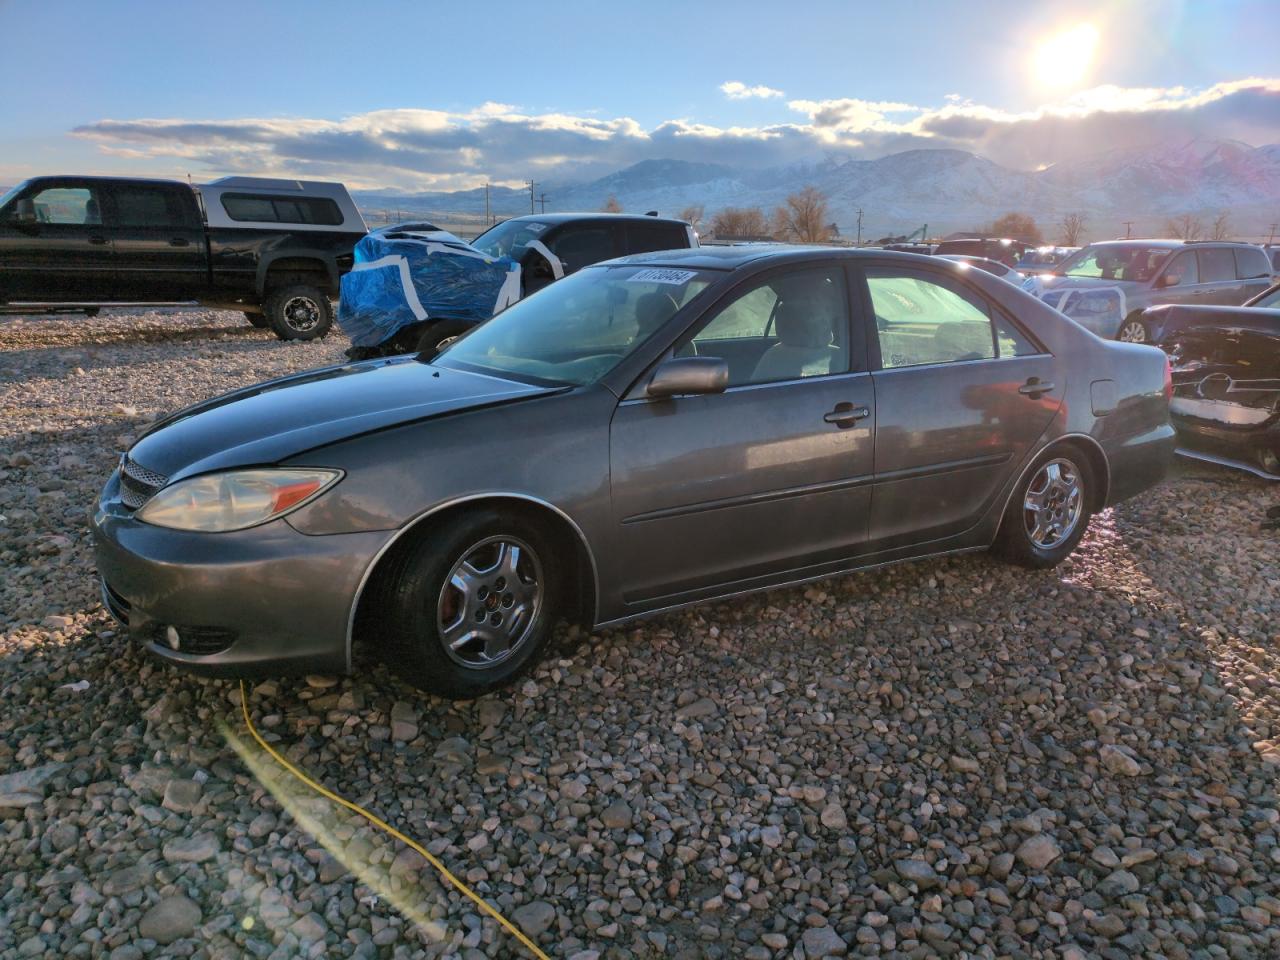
[(489, 602), (1053, 503)]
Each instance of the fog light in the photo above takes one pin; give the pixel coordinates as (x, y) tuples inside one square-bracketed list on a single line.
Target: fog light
[(171, 634)]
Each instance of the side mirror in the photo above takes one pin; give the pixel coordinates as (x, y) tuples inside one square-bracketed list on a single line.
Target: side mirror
[(24, 211), (688, 375)]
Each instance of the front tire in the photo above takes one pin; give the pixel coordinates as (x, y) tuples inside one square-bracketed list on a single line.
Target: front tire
[(299, 312), (440, 334), (473, 606), (1133, 330), (1048, 513)]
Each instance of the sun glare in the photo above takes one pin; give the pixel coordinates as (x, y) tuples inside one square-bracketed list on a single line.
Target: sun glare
[(1063, 58)]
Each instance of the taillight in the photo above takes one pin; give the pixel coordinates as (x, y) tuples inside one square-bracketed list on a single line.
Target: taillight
[(1168, 381)]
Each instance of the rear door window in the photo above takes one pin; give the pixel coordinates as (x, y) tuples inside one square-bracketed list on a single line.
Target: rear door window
[(647, 237), (927, 319), (580, 245), (143, 206), (1251, 264), (1216, 265)]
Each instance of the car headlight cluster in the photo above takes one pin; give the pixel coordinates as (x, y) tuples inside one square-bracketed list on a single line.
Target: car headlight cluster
[(219, 502)]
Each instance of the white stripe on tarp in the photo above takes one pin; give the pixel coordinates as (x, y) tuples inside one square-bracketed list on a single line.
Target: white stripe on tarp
[(557, 268), (406, 281)]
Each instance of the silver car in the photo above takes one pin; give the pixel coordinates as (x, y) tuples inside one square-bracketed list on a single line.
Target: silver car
[(656, 431), (1145, 273)]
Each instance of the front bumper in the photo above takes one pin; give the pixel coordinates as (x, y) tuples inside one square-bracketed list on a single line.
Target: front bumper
[(267, 601), (1240, 444)]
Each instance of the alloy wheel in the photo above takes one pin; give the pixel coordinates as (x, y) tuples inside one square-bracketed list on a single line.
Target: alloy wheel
[(1133, 332), (301, 313), (489, 602), (1053, 503)]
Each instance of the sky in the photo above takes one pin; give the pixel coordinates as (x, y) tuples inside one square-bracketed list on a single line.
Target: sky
[(443, 96)]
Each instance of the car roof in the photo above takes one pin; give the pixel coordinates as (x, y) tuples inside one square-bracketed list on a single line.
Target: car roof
[(556, 218), (1136, 242)]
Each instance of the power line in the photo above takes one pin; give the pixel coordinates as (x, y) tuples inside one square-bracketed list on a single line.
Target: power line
[(542, 199)]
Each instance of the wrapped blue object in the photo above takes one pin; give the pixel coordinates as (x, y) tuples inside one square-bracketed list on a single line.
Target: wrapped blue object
[(400, 279)]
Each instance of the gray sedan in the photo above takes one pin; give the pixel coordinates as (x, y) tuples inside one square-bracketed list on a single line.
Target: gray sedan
[(651, 432)]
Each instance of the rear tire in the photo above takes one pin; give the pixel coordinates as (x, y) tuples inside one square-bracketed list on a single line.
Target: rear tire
[(1049, 512), (440, 334), (1133, 330), (298, 312), (258, 319), (463, 617)]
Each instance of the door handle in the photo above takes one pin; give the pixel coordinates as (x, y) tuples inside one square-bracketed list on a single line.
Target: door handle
[(179, 242), (98, 241), (1035, 388), (845, 415)]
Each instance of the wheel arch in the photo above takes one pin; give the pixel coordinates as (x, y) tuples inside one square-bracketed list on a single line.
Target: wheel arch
[(1090, 449), (286, 267), (583, 582)]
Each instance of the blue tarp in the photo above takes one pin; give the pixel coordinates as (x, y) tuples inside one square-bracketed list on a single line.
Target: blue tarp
[(400, 280)]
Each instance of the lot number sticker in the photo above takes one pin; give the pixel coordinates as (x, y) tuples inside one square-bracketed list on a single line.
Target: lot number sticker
[(676, 278)]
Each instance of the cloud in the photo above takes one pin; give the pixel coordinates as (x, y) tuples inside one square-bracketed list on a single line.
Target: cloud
[(740, 91), (422, 149)]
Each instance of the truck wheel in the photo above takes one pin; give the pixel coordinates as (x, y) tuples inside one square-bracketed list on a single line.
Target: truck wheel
[(258, 319), (298, 312), (440, 334)]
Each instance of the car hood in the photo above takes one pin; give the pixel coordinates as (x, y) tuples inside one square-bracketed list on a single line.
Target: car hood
[(272, 421)]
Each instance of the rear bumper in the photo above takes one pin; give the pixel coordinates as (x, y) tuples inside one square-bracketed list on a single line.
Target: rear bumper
[(268, 601), (1241, 444), (1140, 462)]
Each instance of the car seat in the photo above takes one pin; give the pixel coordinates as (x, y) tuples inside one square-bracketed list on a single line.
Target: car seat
[(804, 347)]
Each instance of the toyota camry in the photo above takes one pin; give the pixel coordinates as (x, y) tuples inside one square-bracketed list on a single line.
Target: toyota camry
[(650, 432)]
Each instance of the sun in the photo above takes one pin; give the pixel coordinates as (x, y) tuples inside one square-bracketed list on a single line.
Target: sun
[(1063, 58)]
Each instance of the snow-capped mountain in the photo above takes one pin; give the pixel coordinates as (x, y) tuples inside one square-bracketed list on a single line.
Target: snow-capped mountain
[(947, 189)]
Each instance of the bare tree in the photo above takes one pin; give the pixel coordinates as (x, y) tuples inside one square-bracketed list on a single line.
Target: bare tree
[(740, 222), (1072, 229), (1017, 226), (1185, 227), (1221, 229), (611, 205), (692, 215), (803, 218)]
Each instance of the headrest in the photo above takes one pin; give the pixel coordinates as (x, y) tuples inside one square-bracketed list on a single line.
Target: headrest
[(803, 323)]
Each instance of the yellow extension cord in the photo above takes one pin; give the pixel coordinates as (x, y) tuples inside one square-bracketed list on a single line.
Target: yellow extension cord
[(385, 827)]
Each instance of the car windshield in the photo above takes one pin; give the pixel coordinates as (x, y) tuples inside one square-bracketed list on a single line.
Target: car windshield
[(11, 193), (1136, 263), (577, 329), (509, 238)]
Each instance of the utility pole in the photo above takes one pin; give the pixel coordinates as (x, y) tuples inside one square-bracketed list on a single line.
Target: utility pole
[(486, 203), (1128, 229), (1272, 238), (529, 184), (859, 243), (542, 199)]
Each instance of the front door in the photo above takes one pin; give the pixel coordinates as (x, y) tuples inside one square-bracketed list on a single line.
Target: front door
[(771, 475), (159, 242), (65, 256), (962, 394)]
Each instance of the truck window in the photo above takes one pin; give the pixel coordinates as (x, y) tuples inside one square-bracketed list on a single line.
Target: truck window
[(253, 208), (73, 205), (647, 237), (143, 206), (581, 245), (1216, 265)]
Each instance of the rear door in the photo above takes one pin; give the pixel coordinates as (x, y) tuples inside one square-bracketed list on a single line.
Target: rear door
[(773, 474), (66, 255), (159, 242), (1253, 270), (1179, 281), (962, 393), (1218, 283)]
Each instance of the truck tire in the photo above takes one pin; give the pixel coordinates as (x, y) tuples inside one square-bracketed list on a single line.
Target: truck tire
[(440, 334), (258, 319), (298, 312)]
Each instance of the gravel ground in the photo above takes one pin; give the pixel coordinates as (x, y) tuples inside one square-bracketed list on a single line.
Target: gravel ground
[(949, 757)]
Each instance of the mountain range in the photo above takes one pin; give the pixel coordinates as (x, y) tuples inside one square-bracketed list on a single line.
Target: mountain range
[(950, 190)]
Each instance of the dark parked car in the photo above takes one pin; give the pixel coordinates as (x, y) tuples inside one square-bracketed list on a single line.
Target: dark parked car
[(274, 249), (656, 431), (1226, 383), (993, 267), (1003, 250)]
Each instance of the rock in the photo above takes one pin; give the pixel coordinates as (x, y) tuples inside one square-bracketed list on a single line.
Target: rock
[(771, 837), (194, 849), (1001, 866), (918, 872), (823, 942), (534, 918), (171, 919), (24, 788), (261, 825), (705, 707), (1118, 762), (310, 928), (964, 764), (182, 796), (1038, 852), (454, 750), (617, 816), (404, 721), (833, 817)]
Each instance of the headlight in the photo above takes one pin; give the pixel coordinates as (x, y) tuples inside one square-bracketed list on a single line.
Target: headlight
[(220, 502)]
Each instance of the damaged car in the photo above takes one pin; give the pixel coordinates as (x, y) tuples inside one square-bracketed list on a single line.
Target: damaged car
[(1226, 385)]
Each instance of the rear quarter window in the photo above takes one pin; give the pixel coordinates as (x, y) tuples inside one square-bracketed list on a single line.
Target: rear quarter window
[(648, 237), (253, 208), (1251, 264)]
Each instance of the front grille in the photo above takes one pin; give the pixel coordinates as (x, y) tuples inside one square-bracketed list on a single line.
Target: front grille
[(138, 484), (201, 641), (116, 605)]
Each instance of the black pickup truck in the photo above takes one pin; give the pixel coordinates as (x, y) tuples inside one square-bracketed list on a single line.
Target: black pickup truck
[(274, 249)]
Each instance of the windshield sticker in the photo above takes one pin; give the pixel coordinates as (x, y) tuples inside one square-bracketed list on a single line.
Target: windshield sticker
[(535, 228), (677, 278)]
